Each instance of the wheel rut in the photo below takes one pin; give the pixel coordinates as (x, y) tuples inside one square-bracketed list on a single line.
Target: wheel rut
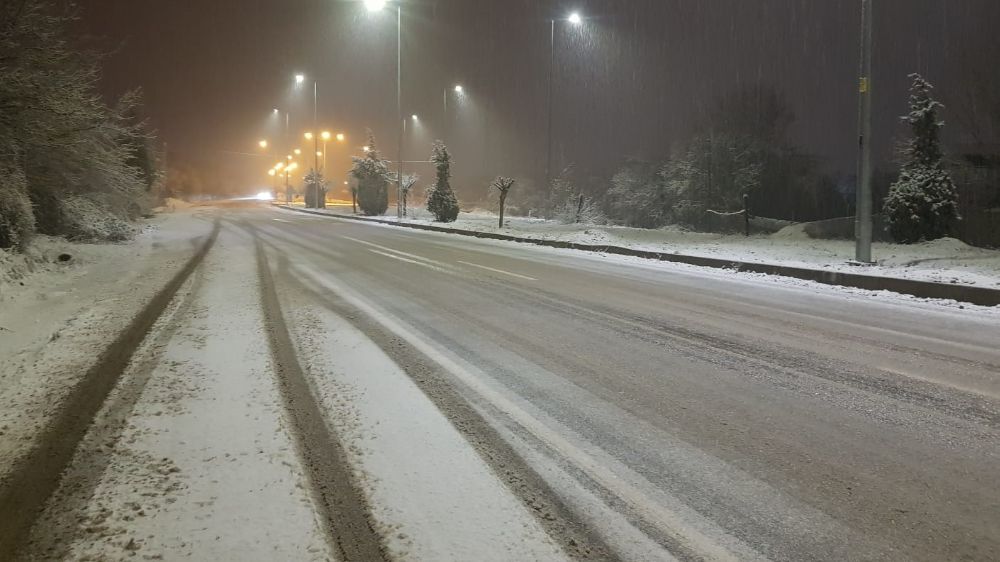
[(338, 496)]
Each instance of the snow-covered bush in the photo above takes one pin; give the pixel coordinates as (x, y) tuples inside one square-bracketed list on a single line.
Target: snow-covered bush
[(579, 210), (372, 175), (89, 221), (17, 223), (441, 200), (923, 203)]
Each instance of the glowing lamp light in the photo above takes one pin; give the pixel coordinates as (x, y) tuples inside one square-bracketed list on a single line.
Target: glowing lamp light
[(325, 135), (459, 89), (366, 148), (265, 196), (300, 78), (375, 5), (415, 118), (298, 152), (341, 137), (262, 144), (309, 136), (575, 18)]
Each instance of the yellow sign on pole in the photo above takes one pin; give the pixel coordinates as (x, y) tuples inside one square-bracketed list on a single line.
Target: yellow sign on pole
[(864, 85)]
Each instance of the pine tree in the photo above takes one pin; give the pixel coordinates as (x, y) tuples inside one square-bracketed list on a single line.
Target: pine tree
[(441, 200), (372, 174), (923, 203)]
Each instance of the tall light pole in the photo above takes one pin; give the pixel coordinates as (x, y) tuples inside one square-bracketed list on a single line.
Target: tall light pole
[(863, 212), (459, 90), (377, 6), (575, 19)]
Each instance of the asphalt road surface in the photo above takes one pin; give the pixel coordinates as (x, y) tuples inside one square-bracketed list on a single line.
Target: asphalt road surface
[(701, 412)]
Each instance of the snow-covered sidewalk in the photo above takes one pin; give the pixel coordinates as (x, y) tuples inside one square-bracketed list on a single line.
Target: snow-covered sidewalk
[(942, 261)]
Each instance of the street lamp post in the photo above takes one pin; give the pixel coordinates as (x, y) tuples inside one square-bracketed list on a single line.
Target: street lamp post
[(863, 211), (574, 19), (377, 6), (458, 89)]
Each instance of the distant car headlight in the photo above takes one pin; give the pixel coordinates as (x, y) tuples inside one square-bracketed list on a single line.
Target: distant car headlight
[(265, 196)]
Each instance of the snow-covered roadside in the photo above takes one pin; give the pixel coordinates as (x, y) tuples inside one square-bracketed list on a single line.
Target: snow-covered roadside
[(432, 496), (204, 466), (942, 261), (63, 316)]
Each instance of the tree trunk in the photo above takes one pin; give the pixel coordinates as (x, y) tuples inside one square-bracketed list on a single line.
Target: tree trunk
[(503, 201)]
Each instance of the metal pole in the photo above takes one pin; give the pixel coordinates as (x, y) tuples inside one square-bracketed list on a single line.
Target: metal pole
[(446, 127), (552, 63), (399, 107), (863, 213)]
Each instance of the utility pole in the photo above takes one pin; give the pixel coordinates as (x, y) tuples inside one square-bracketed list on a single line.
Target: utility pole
[(863, 212)]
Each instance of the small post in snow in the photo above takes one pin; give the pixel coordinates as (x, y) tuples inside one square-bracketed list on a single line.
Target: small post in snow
[(746, 214)]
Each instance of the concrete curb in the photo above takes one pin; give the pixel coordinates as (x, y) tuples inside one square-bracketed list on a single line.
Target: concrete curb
[(924, 289), (36, 475)]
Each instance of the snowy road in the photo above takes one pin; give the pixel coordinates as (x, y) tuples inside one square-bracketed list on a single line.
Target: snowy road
[(619, 409)]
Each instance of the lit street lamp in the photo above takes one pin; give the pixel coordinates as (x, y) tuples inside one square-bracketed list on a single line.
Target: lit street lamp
[(377, 6), (262, 144), (576, 19)]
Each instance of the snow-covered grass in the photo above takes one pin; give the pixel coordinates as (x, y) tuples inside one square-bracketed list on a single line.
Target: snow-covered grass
[(943, 261)]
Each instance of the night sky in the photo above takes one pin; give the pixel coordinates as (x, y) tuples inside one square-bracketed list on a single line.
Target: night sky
[(634, 80)]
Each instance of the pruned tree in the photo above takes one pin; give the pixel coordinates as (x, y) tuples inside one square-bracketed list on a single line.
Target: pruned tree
[(441, 200), (372, 175), (923, 203), (503, 186), (407, 185)]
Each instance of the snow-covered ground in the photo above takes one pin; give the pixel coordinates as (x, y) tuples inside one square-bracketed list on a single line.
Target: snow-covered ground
[(57, 316), (204, 466), (943, 261)]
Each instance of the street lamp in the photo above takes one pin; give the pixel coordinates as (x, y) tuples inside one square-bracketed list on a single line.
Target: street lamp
[(341, 137), (377, 6), (299, 79), (576, 19), (262, 144)]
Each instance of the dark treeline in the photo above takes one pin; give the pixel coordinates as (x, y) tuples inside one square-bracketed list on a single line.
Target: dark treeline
[(743, 147), (70, 164)]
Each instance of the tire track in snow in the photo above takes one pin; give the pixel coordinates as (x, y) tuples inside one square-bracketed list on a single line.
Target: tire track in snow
[(334, 486)]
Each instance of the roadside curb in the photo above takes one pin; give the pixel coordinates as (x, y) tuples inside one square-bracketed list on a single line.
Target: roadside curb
[(923, 289), (35, 476)]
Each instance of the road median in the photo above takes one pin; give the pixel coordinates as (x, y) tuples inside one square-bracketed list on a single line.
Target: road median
[(981, 296)]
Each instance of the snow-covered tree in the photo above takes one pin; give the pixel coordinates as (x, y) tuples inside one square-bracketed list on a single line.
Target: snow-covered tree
[(503, 186), (713, 173), (316, 187), (406, 186), (923, 203), (57, 133), (372, 175), (638, 196), (441, 200)]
